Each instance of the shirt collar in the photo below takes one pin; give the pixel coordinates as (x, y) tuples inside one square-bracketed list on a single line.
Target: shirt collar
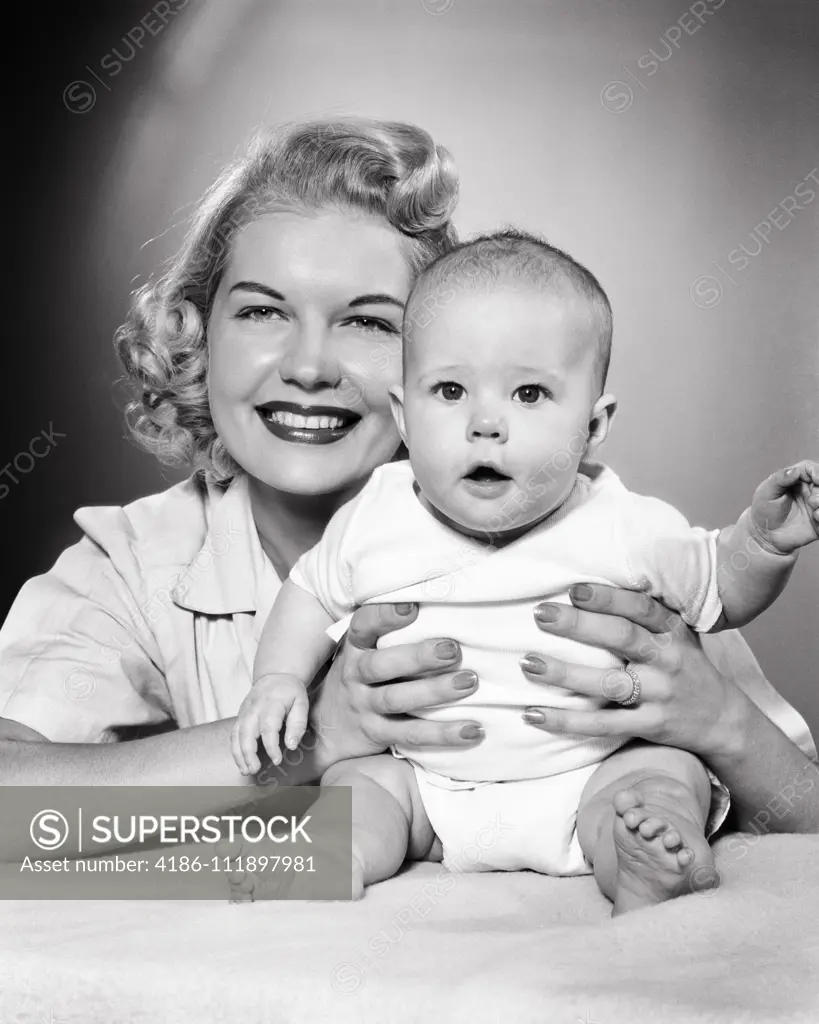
[(230, 573)]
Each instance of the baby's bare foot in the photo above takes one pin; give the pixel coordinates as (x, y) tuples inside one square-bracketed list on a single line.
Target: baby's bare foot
[(248, 883), (248, 886), (660, 852)]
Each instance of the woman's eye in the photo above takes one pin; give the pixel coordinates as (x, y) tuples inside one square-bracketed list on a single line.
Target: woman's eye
[(449, 391), (530, 394), (259, 314), (371, 324)]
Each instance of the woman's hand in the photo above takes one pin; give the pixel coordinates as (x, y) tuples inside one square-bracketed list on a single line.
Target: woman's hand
[(684, 701), (366, 701)]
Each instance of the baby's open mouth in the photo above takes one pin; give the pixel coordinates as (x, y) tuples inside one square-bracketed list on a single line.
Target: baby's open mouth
[(486, 475), (307, 424), (487, 482)]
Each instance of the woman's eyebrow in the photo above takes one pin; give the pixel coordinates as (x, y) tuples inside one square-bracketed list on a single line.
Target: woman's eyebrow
[(375, 300), (255, 286)]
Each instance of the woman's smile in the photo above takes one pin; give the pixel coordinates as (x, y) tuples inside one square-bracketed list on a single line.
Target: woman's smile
[(307, 424)]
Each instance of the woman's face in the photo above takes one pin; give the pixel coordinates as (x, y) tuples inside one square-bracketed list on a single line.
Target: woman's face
[(304, 340)]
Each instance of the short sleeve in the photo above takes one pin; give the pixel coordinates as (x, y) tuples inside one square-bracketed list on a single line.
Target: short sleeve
[(77, 660), (326, 570), (672, 560)]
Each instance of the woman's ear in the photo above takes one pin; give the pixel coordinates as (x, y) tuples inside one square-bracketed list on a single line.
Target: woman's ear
[(396, 393), (599, 422)]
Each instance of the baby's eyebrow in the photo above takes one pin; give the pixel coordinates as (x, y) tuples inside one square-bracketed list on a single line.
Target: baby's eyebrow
[(439, 370), (536, 371)]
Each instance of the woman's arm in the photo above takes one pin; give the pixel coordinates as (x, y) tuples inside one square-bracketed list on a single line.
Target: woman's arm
[(199, 756), (359, 709), (774, 786), (685, 702)]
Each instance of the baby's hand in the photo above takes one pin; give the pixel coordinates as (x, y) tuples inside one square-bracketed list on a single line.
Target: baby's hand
[(785, 509), (272, 699)]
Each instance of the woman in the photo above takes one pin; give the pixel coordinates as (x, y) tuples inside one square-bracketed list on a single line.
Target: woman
[(262, 359)]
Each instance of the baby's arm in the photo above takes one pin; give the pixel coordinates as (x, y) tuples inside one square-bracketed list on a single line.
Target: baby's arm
[(292, 648), (756, 556), (293, 645)]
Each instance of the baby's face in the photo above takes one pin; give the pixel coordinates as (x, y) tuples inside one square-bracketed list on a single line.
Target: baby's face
[(498, 391)]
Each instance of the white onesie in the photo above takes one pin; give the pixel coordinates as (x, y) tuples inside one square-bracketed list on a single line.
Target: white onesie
[(511, 801)]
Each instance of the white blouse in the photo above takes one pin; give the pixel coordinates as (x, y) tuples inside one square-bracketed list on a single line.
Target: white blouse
[(150, 617)]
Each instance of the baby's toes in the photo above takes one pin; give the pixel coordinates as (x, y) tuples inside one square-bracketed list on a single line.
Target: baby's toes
[(685, 856), (634, 817), (627, 799), (650, 828), (672, 840), (241, 887)]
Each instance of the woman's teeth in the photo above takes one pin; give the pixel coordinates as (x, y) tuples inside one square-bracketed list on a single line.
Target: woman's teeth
[(292, 419)]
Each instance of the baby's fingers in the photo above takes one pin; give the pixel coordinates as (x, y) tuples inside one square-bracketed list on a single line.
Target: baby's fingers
[(271, 730), (236, 749), (810, 495), (296, 721), (244, 742), (777, 484), (805, 471), (773, 496)]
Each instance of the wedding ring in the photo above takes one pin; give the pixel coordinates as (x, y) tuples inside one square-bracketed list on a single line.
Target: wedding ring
[(637, 688)]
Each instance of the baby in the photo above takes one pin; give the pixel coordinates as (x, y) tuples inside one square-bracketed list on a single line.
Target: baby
[(507, 343)]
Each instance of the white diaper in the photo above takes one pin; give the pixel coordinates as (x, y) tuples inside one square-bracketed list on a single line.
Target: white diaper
[(507, 826), (514, 826)]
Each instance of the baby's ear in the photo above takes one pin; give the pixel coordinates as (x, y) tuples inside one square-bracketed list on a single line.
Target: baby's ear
[(600, 422), (396, 393)]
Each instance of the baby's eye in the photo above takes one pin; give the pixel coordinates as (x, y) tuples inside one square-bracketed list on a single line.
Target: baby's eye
[(259, 314), (448, 390), (371, 324), (530, 394)]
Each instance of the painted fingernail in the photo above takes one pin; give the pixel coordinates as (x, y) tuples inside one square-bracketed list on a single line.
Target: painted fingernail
[(446, 650), (530, 663), (472, 732), (581, 592), (465, 681), (404, 609), (547, 613), (534, 717)]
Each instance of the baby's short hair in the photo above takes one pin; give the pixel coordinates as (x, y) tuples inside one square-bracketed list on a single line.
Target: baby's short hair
[(510, 254)]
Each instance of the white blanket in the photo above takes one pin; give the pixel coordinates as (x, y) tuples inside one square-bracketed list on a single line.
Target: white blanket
[(494, 947)]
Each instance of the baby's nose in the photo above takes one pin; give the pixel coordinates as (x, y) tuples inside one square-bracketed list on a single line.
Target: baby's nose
[(489, 428)]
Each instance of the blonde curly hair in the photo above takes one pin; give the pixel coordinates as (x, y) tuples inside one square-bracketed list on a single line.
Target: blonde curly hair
[(383, 168)]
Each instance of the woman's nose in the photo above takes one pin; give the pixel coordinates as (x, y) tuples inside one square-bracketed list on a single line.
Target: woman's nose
[(308, 362), (488, 427)]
